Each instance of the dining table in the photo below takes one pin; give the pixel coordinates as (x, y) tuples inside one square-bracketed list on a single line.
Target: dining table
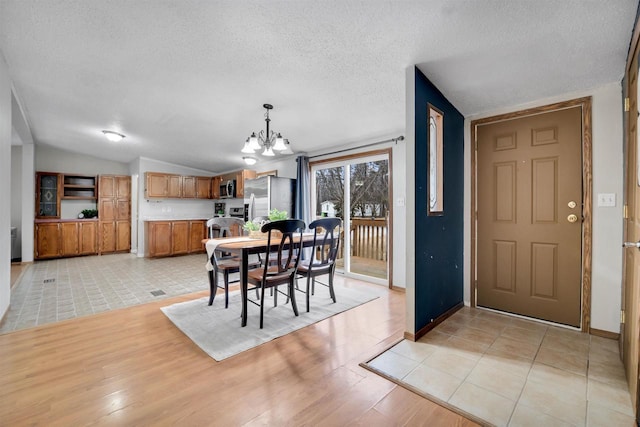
[(245, 248)]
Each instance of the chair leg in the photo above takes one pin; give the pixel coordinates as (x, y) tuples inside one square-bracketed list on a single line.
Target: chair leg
[(308, 280), (213, 286), (226, 289), (261, 306), (274, 292), (293, 297), (331, 291)]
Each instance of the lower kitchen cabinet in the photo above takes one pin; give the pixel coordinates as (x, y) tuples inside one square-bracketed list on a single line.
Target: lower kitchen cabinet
[(65, 238), (168, 238), (115, 236)]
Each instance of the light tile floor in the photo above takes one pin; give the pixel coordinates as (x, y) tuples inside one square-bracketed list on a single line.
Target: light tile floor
[(513, 372), (55, 290)]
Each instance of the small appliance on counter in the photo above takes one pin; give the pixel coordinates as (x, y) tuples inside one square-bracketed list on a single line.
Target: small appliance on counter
[(236, 213), (218, 209)]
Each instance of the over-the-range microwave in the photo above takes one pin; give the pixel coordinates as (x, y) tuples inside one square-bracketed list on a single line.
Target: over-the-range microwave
[(228, 189)]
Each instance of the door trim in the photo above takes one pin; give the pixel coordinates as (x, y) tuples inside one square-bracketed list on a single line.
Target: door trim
[(587, 184)]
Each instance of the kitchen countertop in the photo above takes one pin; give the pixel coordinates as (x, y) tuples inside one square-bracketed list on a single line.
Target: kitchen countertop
[(45, 220)]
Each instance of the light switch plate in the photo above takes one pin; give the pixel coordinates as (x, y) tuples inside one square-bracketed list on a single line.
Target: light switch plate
[(606, 200), (400, 201)]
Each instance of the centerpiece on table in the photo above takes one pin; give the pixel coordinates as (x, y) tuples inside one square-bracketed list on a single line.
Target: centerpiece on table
[(254, 227)]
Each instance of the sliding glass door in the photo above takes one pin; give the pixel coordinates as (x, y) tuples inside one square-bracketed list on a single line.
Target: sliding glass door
[(357, 190)]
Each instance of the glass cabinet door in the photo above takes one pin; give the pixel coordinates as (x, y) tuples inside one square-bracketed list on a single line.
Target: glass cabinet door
[(48, 195)]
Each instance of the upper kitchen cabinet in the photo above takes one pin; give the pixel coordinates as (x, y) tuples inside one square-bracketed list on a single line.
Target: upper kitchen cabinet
[(203, 187), (48, 189), (215, 187), (170, 186), (189, 187), (241, 176), (156, 185), (79, 187)]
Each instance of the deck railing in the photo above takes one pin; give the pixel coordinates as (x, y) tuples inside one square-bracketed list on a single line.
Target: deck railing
[(369, 238)]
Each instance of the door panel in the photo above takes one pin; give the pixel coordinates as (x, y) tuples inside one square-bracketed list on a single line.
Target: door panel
[(529, 170), (631, 275)]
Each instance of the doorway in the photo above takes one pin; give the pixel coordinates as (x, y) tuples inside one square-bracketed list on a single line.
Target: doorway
[(357, 189), (531, 189)]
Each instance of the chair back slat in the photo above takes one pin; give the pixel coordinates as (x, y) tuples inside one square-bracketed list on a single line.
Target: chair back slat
[(289, 245), (326, 241)]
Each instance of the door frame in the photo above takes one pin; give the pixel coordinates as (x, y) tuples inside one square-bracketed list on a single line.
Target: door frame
[(587, 184), (364, 154)]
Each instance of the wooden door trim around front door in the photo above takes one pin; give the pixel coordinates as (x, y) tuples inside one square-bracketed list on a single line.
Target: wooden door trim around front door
[(585, 104)]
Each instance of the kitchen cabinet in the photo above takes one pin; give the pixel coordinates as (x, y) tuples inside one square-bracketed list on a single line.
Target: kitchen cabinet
[(48, 240), (179, 237), (203, 187), (189, 187), (158, 235), (65, 238), (114, 211), (197, 232), (87, 237), (156, 185), (175, 186), (170, 186), (78, 187), (48, 189), (240, 177), (215, 187), (69, 234)]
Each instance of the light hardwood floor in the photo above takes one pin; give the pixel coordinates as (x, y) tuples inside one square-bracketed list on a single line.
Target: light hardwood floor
[(133, 367)]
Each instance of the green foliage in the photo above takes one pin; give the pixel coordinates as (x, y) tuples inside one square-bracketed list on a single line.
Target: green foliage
[(251, 226), (276, 215), (90, 213)]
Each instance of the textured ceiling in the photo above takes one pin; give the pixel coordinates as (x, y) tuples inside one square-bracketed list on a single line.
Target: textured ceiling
[(186, 80)]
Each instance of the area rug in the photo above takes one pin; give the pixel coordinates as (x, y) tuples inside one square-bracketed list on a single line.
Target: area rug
[(217, 330)]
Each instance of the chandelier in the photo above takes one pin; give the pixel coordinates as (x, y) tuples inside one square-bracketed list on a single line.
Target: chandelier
[(269, 142)]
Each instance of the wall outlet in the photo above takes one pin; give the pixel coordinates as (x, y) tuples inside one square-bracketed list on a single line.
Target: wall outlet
[(606, 200)]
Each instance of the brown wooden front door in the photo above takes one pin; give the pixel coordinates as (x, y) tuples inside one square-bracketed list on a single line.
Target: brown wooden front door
[(529, 223)]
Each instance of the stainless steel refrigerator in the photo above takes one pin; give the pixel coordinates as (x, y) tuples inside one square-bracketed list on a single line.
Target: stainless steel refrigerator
[(263, 194)]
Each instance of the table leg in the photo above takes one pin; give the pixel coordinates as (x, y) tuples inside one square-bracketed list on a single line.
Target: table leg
[(244, 269)]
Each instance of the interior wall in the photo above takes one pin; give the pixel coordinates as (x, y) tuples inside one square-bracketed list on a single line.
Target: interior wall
[(607, 145), (16, 194), (439, 239), (28, 203), (52, 159), (5, 187)]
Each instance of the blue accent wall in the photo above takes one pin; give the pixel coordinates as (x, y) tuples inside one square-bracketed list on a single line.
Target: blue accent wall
[(439, 239)]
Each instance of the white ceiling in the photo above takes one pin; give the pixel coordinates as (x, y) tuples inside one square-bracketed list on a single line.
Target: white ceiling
[(186, 80)]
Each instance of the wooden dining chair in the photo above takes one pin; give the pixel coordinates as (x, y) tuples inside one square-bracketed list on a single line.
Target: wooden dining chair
[(223, 262), (285, 242), (326, 243)]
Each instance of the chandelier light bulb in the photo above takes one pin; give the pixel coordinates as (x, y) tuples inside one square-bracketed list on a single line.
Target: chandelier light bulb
[(268, 152), (279, 144), (253, 142), (247, 148)]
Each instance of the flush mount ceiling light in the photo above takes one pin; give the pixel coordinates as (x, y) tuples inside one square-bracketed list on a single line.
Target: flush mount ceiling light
[(113, 136), (269, 142), (250, 160)]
